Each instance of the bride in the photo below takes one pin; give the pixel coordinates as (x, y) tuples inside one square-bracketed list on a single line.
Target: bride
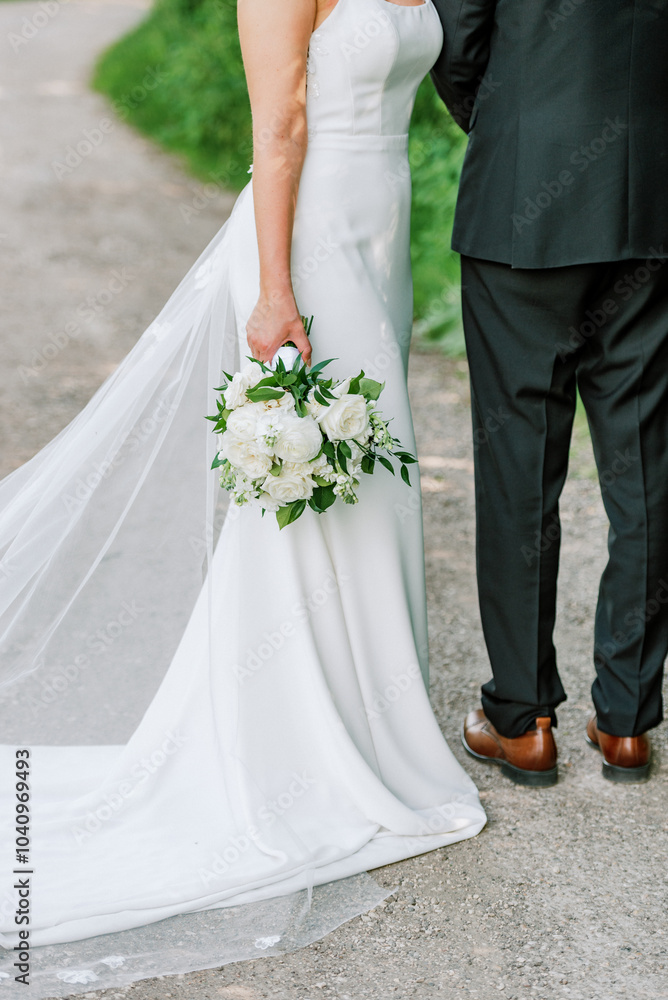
[(212, 712)]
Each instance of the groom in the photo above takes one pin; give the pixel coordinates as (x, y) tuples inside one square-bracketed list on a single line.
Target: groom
[(562, 224)]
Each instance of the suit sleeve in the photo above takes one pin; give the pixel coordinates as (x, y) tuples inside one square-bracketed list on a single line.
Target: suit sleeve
[(467, 30)]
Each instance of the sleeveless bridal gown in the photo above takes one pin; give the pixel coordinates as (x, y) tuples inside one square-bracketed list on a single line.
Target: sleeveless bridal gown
[(257, 721)]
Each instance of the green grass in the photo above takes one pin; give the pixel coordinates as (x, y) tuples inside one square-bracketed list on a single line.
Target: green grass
[(178, 78)]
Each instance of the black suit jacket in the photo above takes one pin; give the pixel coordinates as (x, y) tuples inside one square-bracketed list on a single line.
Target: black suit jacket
[(566, 106)]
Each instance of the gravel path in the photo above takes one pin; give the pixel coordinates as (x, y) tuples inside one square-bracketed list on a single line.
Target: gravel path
[(564, 892)]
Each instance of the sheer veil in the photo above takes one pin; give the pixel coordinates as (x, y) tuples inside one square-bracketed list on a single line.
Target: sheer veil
[(106, 542)]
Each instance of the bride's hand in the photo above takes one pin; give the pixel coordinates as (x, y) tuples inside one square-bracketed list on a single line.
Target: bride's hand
[(274, 321)]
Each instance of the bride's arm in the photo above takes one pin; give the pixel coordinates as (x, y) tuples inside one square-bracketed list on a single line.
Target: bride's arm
[(275, 36)]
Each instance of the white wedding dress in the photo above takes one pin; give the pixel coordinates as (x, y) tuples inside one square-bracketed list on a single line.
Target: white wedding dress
[(216, 721)]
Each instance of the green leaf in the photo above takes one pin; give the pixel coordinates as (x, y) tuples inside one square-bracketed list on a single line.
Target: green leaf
[(300, 408), (324, 497), (286, 515), (217, 462), (405, 475), (341, 457), (276, 469), (346, 449), (371, 389), (319, 367), (321, 481), (328, 449), (319, 398), (269, 380), (368, 463), (385, 463), (261, 393), (405, 457)]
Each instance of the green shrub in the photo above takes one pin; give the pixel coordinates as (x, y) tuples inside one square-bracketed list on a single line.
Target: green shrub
[(199, 108)]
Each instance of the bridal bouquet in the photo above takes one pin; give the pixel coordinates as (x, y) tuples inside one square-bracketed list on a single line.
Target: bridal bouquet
[(291, 437)]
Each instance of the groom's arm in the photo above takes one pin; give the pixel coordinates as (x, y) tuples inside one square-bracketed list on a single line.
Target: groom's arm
[(467, 30)]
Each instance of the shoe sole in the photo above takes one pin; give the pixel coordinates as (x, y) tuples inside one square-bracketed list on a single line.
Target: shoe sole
[(620, 775), (518, 775)]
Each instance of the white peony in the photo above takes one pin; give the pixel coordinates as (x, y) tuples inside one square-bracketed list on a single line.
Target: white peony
[(252, 457), (235, 394), (293, 483), (299, 440), (346, 418)]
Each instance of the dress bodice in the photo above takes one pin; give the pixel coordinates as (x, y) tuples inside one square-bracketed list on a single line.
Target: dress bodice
[(366, 62)]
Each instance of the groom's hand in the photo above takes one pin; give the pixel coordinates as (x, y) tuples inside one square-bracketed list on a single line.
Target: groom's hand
[(274, 321)]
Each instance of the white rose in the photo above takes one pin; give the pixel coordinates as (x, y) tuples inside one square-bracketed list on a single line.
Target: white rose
[(269, 504), (313, 408), (299, 440), (235, 394), (286, 402), (293, 483), (342, 388), (252, 457), (242, 422), (346, 418)]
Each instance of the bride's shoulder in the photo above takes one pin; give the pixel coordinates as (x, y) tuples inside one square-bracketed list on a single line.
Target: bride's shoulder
[(268, 17)]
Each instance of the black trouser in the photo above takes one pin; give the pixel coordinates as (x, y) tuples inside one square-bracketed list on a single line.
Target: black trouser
[(532, 336)]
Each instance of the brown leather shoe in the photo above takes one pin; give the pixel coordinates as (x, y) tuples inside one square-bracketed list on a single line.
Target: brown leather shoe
[(530, 759), (625, 758)]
